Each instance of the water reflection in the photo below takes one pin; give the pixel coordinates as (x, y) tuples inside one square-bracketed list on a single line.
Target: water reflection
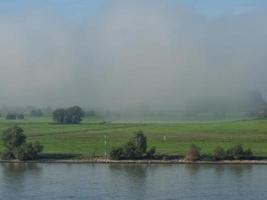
[(237, 170), (133, 182), (14, 178), (134, 172), (20, 168), (132, 175)]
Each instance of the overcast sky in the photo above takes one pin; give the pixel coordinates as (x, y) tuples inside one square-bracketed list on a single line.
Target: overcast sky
[(126, 54)]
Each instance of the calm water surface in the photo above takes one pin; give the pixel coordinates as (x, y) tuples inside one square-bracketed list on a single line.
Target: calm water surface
[(127, 182)]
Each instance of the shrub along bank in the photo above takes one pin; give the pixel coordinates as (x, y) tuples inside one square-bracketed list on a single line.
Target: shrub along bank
[(236, 152), (136, 148)]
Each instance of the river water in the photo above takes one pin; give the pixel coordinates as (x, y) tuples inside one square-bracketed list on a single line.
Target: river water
[(137, 182)]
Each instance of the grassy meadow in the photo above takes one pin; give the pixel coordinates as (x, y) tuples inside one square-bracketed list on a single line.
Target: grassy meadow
[(88, 137)]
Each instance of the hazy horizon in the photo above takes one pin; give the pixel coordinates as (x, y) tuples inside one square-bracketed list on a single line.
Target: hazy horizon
[(131, 54)]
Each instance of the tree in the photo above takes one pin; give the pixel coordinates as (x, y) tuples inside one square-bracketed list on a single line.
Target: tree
[(131, 151), (59, 115), (135, 148), (265, 113), (193, 154), (20, 116), (36, 113), (72, 115), (75, 114), (16, 147), (140, 141), (11, 116), (13, 137)]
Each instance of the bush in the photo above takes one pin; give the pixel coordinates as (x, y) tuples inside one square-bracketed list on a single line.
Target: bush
[(29, 151), (117, 153), (151, 152), (248, 154), (7, 155), (16, 146), (193, 154), (207, 157), (219, 153), (235, 152)]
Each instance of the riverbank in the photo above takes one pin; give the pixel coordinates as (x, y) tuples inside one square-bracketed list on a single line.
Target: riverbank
[(108, 161), (168, 138)]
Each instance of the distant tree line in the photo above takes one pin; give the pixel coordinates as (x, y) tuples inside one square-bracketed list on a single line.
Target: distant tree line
[(71, 115), (14, 116), (37, 113), (27, 111)]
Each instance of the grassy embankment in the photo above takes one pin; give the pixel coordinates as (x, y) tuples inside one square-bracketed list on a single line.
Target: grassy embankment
[(88, 138)]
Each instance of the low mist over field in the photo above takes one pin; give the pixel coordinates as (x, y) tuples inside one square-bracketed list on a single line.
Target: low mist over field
[(132, 55)]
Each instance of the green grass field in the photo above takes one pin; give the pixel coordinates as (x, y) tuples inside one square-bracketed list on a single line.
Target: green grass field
[(88, 137)]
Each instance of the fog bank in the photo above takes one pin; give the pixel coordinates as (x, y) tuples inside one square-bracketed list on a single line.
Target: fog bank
[(132, 55)]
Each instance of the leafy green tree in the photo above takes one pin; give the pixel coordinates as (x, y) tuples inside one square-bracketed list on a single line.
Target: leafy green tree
[(59, 115), (131, 151), (72, 115), (136, 148), (140, 141), (75, 114), (13, 137), (16, 146)]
